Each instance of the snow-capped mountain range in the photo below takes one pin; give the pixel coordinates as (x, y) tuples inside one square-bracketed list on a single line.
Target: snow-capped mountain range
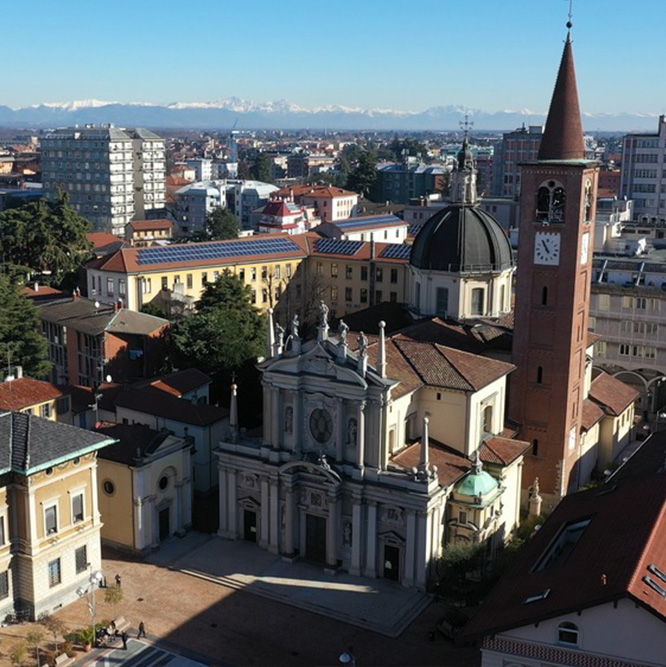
[(285, 115)]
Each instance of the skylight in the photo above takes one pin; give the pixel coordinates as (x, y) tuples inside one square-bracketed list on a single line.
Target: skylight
[(563, 544), (654, 585), (537, 596)]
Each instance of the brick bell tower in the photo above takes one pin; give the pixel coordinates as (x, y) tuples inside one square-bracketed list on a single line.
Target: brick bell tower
[(557, 209)]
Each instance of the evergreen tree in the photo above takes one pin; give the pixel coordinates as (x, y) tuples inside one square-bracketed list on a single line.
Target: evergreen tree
[(45, 237), (20, 330), (363, 178), (261, 169), (221, 224)]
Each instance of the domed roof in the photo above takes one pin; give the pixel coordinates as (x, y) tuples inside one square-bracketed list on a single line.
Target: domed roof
[(477, 484), (462, 238)]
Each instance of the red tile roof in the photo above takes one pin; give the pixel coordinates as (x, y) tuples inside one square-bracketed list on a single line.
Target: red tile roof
[(592, 414), (626, 534), (502, 451), (143, 225), (613, 395), (23, 392), (177, 383), (451, 465)]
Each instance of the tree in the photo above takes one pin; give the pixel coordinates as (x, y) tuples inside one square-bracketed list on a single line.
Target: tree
[(261, 169), (20, 330), (55, 626), (221, 224), (18, 654), (225, 333), (363, 178), (46, 237), (34, 639)]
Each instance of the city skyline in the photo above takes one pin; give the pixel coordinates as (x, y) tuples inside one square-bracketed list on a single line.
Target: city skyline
[(143, 54)]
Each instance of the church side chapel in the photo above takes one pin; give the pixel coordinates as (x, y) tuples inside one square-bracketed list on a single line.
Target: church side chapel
[(377, 454)]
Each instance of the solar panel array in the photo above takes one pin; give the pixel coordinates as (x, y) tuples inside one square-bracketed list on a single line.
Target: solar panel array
[(372, 221), (192, 252), (335, 247), (396, 251)]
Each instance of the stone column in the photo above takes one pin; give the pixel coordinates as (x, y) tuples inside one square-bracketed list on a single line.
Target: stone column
[(276, 418), (95, 500), (371, 546), (179, 506), (421, 550), (139, 527), (265, 514), (267, 413), (340, 434), (360, 436), (274, 527), (357, 536), (187, 502), (152, 522), (384, 447), (232, 505), (296, 423), (410, 549), (290, 516), (332, 531)]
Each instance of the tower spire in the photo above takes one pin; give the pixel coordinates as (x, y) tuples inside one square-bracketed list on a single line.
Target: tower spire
[(563, 136)]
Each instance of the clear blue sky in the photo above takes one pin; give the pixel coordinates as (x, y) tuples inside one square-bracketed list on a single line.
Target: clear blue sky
[(401, 54)]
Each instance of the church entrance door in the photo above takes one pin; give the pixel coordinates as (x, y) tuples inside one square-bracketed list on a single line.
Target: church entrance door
[(391, 562), (249, 525), (164, 523), (315, 537)]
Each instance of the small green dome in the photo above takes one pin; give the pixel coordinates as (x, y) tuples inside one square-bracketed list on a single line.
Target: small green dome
[(477, 484)]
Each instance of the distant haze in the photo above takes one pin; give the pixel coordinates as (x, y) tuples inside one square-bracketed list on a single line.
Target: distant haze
[(283, 115)]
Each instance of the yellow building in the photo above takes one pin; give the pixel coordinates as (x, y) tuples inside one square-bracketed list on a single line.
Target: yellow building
[(35, 397), (49, 519), (145, 491), (289, 273)]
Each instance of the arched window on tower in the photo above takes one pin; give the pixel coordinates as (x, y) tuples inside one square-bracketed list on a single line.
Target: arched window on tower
[(535, 447), (588, 200), (544, 296), (567, 633), (551, 198), (539, 374)]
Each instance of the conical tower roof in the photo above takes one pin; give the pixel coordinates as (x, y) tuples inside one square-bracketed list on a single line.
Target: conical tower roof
[(563, 136)]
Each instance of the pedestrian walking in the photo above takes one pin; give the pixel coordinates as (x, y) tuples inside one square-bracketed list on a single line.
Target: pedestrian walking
[(142, 630), (118, 580), (124, 638)]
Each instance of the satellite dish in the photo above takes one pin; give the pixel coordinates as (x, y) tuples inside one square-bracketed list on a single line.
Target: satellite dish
[(109, 378)]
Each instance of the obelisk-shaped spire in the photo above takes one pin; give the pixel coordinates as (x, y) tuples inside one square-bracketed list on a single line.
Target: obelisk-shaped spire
[(563, 136)]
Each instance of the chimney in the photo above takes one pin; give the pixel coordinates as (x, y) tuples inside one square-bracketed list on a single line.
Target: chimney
[(18, 370), (381, 355), (35, 286), (425, 454)]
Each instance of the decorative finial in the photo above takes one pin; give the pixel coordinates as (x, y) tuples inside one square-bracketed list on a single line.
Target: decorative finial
[(570, 22), (466, 125)]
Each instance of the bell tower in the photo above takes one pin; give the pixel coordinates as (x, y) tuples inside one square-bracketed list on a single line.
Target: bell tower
[(557, 208)]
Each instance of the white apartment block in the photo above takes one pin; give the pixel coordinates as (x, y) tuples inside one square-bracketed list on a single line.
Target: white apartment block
[(644, 172), (112, 175)]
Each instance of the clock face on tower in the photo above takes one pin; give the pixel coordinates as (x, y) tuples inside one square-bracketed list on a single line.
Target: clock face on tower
[(547, 249), (321, 425)]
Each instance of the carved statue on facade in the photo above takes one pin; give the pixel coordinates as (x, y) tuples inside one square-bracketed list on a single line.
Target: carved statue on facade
[(289, 420), (343, 330), (352, 432), (294, 326), (362, 344), (323, 314), (279, 334)]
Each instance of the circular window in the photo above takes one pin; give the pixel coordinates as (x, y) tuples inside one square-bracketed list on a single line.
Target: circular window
[(163, 483), (321, 425), (76, 461), (49, 471), (109, 487)]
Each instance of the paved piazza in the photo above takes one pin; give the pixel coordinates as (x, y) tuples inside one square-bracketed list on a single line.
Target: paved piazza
[(197, 599)]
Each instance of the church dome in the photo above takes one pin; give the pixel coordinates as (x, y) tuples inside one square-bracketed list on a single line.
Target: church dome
[(477, 484), (462, 238)]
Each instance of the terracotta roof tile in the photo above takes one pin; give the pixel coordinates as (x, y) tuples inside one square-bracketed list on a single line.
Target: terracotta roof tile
[(613, 395), (142, 225), (502, 451), (24, 392), (592, 414), (451, 465)]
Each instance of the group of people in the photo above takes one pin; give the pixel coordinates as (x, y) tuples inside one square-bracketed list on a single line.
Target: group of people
[(104, 635)]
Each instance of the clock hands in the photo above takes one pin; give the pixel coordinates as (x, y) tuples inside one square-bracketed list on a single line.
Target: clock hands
[(545, 247)]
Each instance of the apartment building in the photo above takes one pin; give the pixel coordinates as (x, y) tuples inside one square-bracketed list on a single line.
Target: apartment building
[(49, 517), (112, 175), (400, 182), (521, 145), (644, 171)]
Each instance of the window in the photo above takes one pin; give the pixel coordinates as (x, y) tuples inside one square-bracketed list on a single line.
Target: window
[(603, 302), (81, 559), (254, 296), (550, 202), (109, 487), (216, 275), (535, 447), (288, 270), (349, 272), (625, 350), (4, 585), (394, 275), (393, 297), (189, 281), (544, 296), (567, 633), (334, 293), (477, 300), (51, 519), (378, 296), (539, 376), (364, 273), (462, 517), (563, 544), (54, 572), (264, 273), (348, 294), (3, 539), (364, 295), (264, 295), (487, 422), (45, 410), (204, 278), (165, 282), (334, 270), (163, 483), (278, 271), (379, 274), (442, 305), (601, 348), (253, 273), (122, 287), (109, 286), (77, 508)]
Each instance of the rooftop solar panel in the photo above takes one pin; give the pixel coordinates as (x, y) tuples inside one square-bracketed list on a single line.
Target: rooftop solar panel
[(336, 247), (396, 251), (372, 221), (219, 250)]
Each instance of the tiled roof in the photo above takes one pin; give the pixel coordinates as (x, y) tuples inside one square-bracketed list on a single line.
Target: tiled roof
[(451, 465), (29, 444), (42, 292), (613, 395), (143, 225), (502, 451), (592, 414), (177, 383), (625, 535), (24, 392), (130, 438)]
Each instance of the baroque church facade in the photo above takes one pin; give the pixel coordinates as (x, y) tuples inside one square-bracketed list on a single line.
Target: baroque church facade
[(378, 452)]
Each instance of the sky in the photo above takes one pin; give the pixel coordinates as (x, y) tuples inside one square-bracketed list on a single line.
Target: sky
[(398, 54)]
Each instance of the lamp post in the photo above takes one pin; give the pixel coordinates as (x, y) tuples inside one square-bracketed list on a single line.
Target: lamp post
[(94, 578)]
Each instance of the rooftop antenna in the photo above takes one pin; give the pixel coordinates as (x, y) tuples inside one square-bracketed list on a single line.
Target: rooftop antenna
[(466, 125)]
